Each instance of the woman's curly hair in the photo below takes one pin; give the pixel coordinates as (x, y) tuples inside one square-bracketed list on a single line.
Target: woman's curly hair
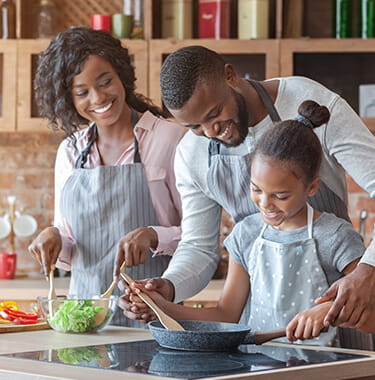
[(62, 60)]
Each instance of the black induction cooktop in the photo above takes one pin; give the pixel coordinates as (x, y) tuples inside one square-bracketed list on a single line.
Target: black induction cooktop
[(149, 358)]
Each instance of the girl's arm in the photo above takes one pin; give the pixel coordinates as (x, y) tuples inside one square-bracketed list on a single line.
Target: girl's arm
[(229, 309), (309, 323)]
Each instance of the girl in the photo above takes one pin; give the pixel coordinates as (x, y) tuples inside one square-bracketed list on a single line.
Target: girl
[(288, 253)]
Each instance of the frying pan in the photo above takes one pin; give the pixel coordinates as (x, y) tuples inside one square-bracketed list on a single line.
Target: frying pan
[(209, 336)]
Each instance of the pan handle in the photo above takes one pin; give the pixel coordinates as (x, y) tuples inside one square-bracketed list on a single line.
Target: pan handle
[(263, 337)]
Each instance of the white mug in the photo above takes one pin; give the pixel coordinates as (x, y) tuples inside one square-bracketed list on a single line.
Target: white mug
[(25, 226), (5, 227)]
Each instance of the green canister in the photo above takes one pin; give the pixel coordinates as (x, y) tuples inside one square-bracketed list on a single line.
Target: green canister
[(342, 13), (367, 18)]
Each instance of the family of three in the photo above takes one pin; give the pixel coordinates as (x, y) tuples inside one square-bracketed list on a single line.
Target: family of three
[(280, 181)]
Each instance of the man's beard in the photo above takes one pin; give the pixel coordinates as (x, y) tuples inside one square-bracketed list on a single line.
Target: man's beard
[(242, 125)]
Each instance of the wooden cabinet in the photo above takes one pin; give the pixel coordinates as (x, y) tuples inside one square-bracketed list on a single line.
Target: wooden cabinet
[(8, 90), (28, 119), (341, 65), (258, 59)]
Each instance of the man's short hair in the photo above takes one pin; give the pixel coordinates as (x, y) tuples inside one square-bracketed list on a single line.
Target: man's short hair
[(183, 69)]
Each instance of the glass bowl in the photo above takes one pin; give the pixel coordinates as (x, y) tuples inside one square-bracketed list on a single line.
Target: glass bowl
[(70, 314)]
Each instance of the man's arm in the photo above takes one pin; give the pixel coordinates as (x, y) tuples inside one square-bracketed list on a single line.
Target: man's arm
[(353, 146), (195, 260)]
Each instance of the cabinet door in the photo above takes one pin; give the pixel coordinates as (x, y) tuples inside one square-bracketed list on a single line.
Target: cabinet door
[(139, 55), (256, 59), (27, 113), (341, 65), (8, 90)]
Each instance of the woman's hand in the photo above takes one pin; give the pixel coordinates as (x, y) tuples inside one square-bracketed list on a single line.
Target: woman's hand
[(134, 247), (307, 324), (46, 248)]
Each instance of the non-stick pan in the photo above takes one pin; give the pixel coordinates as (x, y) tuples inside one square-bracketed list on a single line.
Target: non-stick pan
[(209, 336)]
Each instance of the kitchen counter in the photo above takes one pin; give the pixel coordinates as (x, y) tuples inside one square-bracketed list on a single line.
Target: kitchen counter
[(11, 368), (27, 288)]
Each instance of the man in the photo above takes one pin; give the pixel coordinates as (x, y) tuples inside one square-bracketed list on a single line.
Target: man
[(207, 96)]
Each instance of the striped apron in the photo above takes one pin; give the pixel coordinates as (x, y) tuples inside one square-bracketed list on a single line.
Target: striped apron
[(228, 179), (102, 205)]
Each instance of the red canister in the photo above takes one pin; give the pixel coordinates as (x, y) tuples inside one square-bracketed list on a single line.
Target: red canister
[(101, 22), (214, 19)]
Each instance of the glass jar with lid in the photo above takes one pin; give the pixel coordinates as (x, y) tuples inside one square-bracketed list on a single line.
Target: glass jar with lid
[(45, 18)]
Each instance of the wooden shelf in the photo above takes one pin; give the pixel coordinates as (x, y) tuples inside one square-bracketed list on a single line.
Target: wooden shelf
[(160, 48)]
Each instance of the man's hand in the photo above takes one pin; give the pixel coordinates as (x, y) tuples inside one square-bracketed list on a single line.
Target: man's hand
[(307, 324), (134, 308), (134, 247), (354, 305), (46, 248)]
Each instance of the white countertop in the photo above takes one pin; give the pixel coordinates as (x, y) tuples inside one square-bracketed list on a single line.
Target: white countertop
[(12, 368)]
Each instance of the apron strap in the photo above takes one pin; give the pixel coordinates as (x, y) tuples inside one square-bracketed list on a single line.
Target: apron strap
[(82, 158), (266, 99), (310, 217)]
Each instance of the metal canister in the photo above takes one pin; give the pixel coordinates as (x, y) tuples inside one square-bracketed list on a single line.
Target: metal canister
[(253, 19), (177, 19)]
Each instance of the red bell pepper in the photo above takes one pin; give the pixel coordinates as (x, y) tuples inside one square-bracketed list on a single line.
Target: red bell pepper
[(22, 321), (20, 314)]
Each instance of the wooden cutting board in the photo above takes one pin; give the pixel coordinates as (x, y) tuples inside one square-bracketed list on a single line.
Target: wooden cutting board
[(5, 328)]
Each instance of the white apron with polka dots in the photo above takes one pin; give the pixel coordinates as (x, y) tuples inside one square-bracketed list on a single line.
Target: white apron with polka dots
[(285, 278)]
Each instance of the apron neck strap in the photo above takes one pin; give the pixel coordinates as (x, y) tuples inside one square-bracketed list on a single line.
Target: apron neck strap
[(266, 99), (310, 217), (82, 159)]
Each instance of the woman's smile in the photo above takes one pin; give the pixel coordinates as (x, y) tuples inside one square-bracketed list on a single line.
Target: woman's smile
[(104, 109)]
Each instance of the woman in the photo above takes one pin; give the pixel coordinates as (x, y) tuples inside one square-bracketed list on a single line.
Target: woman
[(115, 192)]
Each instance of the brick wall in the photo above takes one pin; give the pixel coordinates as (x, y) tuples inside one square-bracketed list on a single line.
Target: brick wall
[(26, 171)]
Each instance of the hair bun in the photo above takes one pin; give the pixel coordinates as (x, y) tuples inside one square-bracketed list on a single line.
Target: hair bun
[(314, 112)]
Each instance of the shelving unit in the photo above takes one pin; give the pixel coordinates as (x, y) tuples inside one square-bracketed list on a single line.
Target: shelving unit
[(257, 58), (323, 59), (341, 65), (8, 80)]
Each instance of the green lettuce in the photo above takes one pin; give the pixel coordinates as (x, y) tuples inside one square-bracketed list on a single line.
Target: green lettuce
[(78, 355), (75, 316)]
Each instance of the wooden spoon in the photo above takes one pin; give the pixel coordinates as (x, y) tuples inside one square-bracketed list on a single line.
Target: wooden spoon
[(168, 322), (51, 293), (100, 317)]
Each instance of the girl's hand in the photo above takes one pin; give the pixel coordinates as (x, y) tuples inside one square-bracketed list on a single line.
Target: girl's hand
[(308, 324), (46, 248), (134, 248), (134, 308)]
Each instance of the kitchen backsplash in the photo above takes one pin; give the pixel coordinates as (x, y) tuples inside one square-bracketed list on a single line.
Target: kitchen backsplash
[(27, 171)]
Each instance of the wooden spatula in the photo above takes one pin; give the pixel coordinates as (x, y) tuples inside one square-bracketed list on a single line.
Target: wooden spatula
[(168, 322), (51, 293)]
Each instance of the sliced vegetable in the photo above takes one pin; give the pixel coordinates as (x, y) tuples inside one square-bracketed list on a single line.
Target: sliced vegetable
[(22, 321), (8, 304), (21, 314)]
